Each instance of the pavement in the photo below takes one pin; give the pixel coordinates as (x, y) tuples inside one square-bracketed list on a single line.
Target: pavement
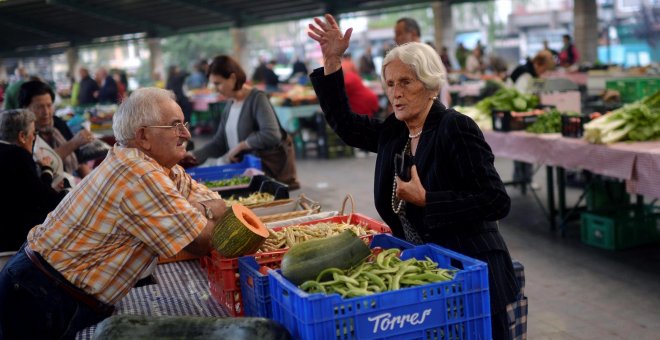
[(575, 291)]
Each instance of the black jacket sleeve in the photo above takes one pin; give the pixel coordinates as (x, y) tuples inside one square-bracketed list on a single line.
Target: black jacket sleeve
[(355, 130)]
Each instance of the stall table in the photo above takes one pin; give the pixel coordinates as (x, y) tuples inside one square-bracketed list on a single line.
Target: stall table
[(181, 289), (636, 163)]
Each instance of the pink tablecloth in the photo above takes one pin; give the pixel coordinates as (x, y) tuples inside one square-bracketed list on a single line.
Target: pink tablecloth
[(637, 163)]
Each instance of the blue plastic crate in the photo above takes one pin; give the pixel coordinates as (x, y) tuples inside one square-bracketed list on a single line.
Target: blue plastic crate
[(255, 288), (215, 173), (457, 309)]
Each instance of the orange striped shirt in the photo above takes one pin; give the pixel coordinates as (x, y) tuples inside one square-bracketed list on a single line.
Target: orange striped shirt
[(129, 210)]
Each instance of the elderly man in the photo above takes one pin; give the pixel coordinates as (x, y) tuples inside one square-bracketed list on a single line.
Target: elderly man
[(407, 30), (89, 252), (38, 97)]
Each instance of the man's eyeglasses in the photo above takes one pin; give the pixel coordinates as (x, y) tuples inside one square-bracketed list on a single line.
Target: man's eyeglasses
[(180, 127)]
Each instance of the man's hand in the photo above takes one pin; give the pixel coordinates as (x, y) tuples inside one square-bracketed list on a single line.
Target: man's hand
[(201, 245), (412, 191)]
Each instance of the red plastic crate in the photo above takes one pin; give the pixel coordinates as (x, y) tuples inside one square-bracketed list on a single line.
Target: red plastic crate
[(222, 272)]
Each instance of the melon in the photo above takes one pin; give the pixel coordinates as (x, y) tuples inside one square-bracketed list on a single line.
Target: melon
[(238, 232)]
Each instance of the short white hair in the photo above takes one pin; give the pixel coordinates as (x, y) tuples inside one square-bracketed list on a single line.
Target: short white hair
[(423, 60), (141, 108)]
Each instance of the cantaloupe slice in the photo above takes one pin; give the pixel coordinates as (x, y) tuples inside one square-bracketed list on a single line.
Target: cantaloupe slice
[(239, 232)]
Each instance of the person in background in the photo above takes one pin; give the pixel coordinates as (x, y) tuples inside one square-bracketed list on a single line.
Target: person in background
[(175, 80), (11, 93), (38, 97), (568, 56), (444, 57), (367, 66), (97, 243), (27, 196), (108, 89), (89, 89), (454, 195), (158, 80), (258, 75), (299, 70), (461, 55), (119, 77), (248, 124), (197, 79), (271, 80), (475, 65), (361, 99), (407, 30), (555, 54), (523, 78)]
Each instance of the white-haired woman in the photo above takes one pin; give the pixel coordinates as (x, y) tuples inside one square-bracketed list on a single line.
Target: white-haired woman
[(453, 196), (27, 196)]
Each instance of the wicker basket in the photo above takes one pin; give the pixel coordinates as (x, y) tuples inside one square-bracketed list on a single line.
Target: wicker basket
[(305, 206)]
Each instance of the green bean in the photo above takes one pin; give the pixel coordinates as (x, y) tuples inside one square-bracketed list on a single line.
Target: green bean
[(328, 271), (375, 279), (339, 277)]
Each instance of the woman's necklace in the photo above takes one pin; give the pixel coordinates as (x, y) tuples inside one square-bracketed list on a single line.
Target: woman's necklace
[(397, 204), (415, 135)]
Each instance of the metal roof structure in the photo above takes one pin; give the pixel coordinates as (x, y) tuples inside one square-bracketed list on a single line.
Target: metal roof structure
[(30, 27)]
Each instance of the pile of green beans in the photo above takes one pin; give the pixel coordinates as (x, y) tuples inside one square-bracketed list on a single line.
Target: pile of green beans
[(386, 273), (228, 182)]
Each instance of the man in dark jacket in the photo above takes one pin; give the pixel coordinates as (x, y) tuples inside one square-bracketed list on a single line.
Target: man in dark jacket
[(89, 89), (108, 92)]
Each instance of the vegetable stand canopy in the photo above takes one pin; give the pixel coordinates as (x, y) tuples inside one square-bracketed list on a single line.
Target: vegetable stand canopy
[(31, 27)]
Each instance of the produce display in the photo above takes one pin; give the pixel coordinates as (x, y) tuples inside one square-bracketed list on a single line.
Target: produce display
[(307, 260), (295, 234), (238, 180), (128, 326), (638, 121), (482, 118), (239, 232), (547, 122), (385, 273), (507, 99), (252, 199)]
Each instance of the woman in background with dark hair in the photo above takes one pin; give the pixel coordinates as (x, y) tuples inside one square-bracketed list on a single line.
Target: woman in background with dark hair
[(248, 124)]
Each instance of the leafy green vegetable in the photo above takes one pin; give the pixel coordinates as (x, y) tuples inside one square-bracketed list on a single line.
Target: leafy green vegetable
[(549, 122), (507, 99), (638, 121)]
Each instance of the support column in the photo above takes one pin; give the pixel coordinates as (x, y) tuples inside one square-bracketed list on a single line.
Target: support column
[(72, 60), (156, 57), (239, 49), (585, 32), (443, 25)]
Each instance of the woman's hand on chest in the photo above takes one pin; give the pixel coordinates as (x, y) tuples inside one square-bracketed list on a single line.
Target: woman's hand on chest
[(412, 191)]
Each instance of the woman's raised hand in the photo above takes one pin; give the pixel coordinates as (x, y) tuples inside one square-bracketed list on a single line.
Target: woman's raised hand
[(333, 42)]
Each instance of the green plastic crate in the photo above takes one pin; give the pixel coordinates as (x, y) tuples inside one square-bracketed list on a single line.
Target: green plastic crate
[(633, 89), (606, 194), (621, 228)]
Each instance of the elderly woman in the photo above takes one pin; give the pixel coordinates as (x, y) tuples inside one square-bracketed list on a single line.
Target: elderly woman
[(453, 196), (248, 124), (27, 198)]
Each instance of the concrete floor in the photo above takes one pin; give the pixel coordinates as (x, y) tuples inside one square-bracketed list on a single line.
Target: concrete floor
[(575, 291)]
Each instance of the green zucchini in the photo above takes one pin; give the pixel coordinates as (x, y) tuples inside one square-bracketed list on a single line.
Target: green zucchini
[(137, 327), (305, 260)]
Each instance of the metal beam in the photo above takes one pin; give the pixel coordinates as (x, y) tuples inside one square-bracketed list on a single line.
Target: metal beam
[(226, 11), (112, 16), (33, 27)]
